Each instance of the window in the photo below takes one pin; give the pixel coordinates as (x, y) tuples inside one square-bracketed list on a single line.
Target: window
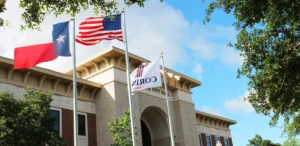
[(200, 140), (217, 139), (226, 142), (56, 114), (81, 125), (208, 141)]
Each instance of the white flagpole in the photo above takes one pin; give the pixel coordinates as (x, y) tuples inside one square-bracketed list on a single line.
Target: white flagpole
[(167, 100), (74, 86), (128, 79)]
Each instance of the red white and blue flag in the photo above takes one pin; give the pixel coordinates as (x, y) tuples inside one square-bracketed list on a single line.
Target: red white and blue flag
[(146, 76), (95, 29), (140, 70), (42, 46)]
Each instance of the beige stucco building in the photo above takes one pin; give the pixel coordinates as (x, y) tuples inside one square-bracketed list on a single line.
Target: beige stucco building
[(102, 95)]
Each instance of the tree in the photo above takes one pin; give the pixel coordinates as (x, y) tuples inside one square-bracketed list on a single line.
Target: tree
[(2, 9), (258, 141), (36, 10), (269, 40), (291, 142), (27, 122), (121, 130)]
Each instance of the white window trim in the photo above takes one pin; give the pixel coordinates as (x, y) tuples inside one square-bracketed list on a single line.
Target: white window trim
[(216, 138), (210, 140), (86, 127), (227, 140), (60, 119), (201, 141)]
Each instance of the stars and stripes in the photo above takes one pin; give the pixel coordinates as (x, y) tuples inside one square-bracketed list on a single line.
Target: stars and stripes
[(146, 76), (95, 29), (139, 72)]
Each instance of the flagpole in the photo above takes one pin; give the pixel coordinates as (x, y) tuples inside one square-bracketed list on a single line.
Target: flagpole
[(128, 79), (74, 86), (167, 100)]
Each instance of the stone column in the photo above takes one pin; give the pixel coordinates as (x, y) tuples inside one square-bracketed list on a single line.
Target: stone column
[(105, 112), (185, 119)]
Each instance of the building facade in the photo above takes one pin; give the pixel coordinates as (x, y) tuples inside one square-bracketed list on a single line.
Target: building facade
[(102, 95)]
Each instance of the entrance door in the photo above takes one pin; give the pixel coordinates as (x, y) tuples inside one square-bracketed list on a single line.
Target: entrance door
[(82, 130), (146, 137)]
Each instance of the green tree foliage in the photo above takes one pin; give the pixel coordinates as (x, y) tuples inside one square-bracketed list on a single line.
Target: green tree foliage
[(36, 10), (2, 9), (291, 142), (269, 40), (121, 130), (27, 122), (259, 141)]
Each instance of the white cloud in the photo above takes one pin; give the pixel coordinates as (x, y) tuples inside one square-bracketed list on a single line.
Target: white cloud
[(203, 48), (12, 35), (200, 43), (231, 57), (198, 70), (240, 104), (162, 30), (210, 110), (210, 42), (155, 28)]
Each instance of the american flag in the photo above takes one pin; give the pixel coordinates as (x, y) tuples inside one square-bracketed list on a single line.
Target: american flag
[(95, 29), (139, 72)]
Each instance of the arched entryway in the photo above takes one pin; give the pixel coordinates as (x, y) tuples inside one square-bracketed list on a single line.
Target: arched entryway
[(154, 127)]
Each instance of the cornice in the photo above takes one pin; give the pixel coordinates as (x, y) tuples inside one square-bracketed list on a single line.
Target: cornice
[(114, 58), (46, 80), (213, 121)]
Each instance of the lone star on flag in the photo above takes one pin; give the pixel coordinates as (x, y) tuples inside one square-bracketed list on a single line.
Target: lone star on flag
[(60, 39)]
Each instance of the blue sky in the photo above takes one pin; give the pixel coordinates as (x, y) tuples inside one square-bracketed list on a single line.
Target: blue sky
[(175, 27), (219, 81)]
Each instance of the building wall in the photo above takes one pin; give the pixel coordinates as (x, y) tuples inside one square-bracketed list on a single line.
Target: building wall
[(105, 112), (92, 132), (203, 138), (213, 139), (186, 125), (214, 127), (102, 107), (113, 100), (65, 106), (68, 131), (213, 131)]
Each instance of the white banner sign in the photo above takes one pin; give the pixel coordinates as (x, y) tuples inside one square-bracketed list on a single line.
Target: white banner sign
[(146, 76)]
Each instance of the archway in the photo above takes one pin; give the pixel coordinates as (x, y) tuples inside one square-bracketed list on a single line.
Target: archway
[(154, 127)]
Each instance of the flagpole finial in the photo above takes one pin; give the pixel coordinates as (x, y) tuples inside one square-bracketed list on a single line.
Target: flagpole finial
[(123, 9), (161, 53)]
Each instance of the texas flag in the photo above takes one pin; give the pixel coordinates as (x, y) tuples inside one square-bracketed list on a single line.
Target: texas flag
[(42, 46)]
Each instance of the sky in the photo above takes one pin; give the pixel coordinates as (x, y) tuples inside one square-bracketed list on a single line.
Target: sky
[(190, 47)]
